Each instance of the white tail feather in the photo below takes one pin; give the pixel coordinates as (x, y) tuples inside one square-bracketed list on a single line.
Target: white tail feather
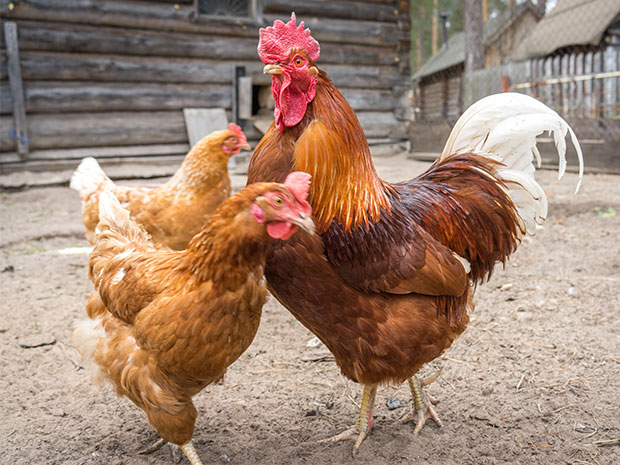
[(504, 127), (85, 337), (88, 177)]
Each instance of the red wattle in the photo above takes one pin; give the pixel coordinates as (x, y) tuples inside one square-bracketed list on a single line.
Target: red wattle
[(281, 230)]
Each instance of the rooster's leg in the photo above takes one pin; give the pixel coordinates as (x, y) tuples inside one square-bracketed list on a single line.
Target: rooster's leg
[(423, 402), (174, 450), (363, 424), (191, 453)]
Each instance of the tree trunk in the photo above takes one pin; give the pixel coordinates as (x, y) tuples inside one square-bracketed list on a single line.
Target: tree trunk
[(474, 48)]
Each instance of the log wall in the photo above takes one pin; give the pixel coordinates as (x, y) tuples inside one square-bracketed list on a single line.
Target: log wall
[(114, 73)]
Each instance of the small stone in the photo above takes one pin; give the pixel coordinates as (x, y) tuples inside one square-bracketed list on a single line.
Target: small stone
[(392, 403), (32, 341), (314, 342)]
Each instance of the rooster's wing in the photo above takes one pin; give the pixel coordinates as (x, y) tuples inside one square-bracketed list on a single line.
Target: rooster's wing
[(391, 254)]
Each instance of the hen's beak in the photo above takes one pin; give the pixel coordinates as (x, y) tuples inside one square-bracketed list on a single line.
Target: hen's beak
[(273, 69), (245, 146), (304, 222)]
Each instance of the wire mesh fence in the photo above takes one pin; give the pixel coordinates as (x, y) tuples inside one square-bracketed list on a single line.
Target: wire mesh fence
[(565, 53)]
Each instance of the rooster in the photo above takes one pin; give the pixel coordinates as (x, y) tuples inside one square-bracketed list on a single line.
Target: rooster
[(174, 212), (387, 283), (164, 324)]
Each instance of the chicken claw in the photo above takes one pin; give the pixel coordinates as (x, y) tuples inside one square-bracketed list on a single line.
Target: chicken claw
[(363, 424), (423, 402), (174, 449)]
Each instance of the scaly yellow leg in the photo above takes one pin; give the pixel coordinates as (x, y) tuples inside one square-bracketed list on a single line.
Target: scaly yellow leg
[(191, 453), (423, 403), (364, 422)]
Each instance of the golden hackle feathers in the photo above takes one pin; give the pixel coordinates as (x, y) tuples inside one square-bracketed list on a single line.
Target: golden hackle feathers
[(349, 191)]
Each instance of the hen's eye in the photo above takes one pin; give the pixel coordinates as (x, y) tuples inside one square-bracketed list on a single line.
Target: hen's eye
[(299, 62), (278, 202)]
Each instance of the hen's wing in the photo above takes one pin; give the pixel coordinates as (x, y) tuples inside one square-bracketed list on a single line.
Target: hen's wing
[(127, 271), (392, 254)]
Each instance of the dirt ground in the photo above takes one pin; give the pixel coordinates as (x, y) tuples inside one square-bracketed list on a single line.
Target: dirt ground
[(535, 379)]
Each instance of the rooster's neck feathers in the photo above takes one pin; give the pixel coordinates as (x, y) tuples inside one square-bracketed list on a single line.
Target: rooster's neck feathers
[(345, 186)]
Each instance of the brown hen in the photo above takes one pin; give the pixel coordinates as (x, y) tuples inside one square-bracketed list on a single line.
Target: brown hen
[(164, 324), (175, 211)]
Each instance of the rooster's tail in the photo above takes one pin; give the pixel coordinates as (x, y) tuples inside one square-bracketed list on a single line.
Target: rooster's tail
[(504, 127), (89, 178)]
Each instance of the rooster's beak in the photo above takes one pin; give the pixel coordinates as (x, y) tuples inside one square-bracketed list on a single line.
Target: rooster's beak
[(273, 69), (304, 222)]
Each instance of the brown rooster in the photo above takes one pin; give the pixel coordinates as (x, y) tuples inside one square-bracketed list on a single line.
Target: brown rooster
[(387, 283), (164, 324), (174, 212)]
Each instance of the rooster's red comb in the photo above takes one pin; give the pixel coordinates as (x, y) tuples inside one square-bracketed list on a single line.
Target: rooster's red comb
[(298, 183), (277, 41), (232, 127)]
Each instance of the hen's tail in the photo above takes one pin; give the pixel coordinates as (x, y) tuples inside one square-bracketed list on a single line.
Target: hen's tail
[(116, 233), (89, 178), (504, 127)]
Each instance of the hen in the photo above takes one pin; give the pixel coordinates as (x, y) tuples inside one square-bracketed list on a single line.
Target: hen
[(387, 283), (164, 324), (174, 212)]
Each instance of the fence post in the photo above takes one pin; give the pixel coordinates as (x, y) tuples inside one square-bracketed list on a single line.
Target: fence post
[(505, 83), (17, 88)]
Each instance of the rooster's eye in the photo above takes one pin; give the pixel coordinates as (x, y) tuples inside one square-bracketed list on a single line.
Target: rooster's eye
[(278, 202), (299, 62)]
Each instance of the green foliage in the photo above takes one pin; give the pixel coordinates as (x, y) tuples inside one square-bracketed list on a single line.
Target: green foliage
[(422, 19)]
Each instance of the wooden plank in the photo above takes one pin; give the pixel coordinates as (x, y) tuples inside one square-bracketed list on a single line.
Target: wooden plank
[(98, 152), (52, 97), (134, 15), (203, 121), (68, 130), (369, 99), (333, 9), (20, 130), (341, 31), (41, 65), (82, 130), (87, 39)]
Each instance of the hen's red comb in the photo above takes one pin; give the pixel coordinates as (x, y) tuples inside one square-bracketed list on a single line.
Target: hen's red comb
[(237, 130), (277, 41), (298, 183)]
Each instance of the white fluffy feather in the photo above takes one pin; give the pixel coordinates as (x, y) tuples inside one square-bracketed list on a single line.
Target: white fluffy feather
[(504, 127), (88, 177), (86, 336)]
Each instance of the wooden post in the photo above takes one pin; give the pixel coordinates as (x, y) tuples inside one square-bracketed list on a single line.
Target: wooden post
[(505, 83), (434, 28), (17, 90)]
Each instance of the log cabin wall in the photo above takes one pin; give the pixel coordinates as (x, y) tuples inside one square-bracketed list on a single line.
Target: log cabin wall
[(111, 78)]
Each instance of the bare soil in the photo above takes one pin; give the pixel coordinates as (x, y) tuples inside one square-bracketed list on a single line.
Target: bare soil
[(535, 379)]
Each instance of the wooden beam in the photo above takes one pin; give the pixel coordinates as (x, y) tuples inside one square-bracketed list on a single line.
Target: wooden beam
[(20, 132), (59, 66), (55, 37)]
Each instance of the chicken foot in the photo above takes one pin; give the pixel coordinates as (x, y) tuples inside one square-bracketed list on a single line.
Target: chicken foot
[(363, 424), (188, 449), (423, 403)]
